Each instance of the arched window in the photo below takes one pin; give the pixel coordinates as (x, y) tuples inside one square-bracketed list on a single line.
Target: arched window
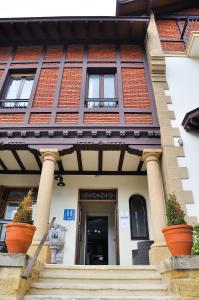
[(138, 218)]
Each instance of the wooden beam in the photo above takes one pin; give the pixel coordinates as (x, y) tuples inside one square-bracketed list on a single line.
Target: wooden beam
[(141, 162), (38, 160), (121, 160), (100, 160), (3, 165), (79, 159), (18, 159), (60, 166)]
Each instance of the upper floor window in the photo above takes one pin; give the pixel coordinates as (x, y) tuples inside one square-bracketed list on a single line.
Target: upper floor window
[(138, 218), (17, 91), (101, 91)]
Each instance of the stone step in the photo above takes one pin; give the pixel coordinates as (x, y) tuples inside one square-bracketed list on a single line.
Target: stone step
[(98, 290), (58, 297), (98, 278), (91, 271)]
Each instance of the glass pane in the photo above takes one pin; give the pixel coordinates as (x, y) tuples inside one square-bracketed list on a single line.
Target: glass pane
[(27, 87), (138, 215), (13, 89), (10, 210), (109, 86), (93, 86)]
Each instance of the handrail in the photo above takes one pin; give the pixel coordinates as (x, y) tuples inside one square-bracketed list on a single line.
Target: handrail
[(37, 252)]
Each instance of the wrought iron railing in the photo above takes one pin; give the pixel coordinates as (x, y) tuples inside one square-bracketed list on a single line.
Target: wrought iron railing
[(101, 102), (13, 103), (191, 24)]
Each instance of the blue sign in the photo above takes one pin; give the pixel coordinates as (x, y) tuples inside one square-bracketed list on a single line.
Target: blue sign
[(69, 214)]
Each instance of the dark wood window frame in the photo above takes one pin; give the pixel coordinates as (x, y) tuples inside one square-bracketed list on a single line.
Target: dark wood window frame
[(17, 102), (131, 200), (101, 72)]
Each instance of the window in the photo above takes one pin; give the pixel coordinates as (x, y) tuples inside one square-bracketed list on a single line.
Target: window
[(12, 200), (101, 91), (18, 90), (138, 218)]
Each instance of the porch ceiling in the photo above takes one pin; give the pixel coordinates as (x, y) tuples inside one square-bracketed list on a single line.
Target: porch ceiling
[(96, 162)]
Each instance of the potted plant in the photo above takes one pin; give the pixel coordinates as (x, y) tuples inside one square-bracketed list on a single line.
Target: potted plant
[(178, 234), (20, 232)]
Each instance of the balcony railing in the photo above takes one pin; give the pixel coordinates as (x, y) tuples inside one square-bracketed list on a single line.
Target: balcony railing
[(191, 24), (13, 103), (101, 102)]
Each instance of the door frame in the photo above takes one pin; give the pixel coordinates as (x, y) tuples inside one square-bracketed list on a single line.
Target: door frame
[(116, 223)]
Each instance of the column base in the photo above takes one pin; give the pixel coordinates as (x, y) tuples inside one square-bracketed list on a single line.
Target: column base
[(45, 253), (158, 252)]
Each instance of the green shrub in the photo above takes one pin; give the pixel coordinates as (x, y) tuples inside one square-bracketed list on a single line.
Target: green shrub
[(24, 211), (175, 214), (195, 248)]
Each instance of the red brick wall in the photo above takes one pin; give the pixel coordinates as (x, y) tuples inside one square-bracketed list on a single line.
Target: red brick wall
[(42, 118), (132, 118), (70, 88), (102, 52), (28, 53), (130, 52), (75, 52), (101, 118), (53, 52), (11, 118), (168, 29), (5, 53), (46, 88), (67, 118), (134, 85)]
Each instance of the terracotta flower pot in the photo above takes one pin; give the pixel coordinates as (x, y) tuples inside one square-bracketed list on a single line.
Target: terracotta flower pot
[(179, 239), (19, 237)]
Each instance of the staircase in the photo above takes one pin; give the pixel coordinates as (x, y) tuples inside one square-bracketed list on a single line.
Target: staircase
[(59, 282)]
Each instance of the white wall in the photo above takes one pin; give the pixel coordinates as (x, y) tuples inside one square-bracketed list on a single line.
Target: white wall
[(67, 197), (183, 80)]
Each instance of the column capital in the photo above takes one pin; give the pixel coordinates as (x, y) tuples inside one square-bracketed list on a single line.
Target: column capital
[(50, 154), (151, 154)]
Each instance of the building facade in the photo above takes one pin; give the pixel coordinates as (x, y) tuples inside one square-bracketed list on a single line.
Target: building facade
[(85, 122)]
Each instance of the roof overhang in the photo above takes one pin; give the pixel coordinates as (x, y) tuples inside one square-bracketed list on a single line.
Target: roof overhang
[(72, 29), (143, 7), (191, 121)]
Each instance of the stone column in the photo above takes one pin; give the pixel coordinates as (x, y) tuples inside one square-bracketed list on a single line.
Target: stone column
[(157, 204), (44, 200)]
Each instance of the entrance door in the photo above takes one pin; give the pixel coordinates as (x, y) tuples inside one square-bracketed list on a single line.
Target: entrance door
[(97, 241), (97, 235)]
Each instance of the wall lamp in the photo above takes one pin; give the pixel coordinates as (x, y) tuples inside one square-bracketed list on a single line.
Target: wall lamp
[(59, 179)]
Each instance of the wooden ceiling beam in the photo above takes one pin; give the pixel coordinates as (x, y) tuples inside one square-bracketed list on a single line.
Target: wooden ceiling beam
[(18, 159)]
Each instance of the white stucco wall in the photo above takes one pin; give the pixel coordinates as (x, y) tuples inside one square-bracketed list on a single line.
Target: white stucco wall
[(67, 197), (183, 80)]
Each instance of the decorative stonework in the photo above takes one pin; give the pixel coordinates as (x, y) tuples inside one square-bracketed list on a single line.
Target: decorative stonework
[(56, 242), (181, 275), (172, 173)]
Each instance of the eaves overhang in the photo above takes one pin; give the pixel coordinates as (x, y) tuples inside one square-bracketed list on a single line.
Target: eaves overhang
[(191, 121), (56, 30), (143, 7)]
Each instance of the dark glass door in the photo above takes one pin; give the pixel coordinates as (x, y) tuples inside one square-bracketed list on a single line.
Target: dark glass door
[(97, 241)]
